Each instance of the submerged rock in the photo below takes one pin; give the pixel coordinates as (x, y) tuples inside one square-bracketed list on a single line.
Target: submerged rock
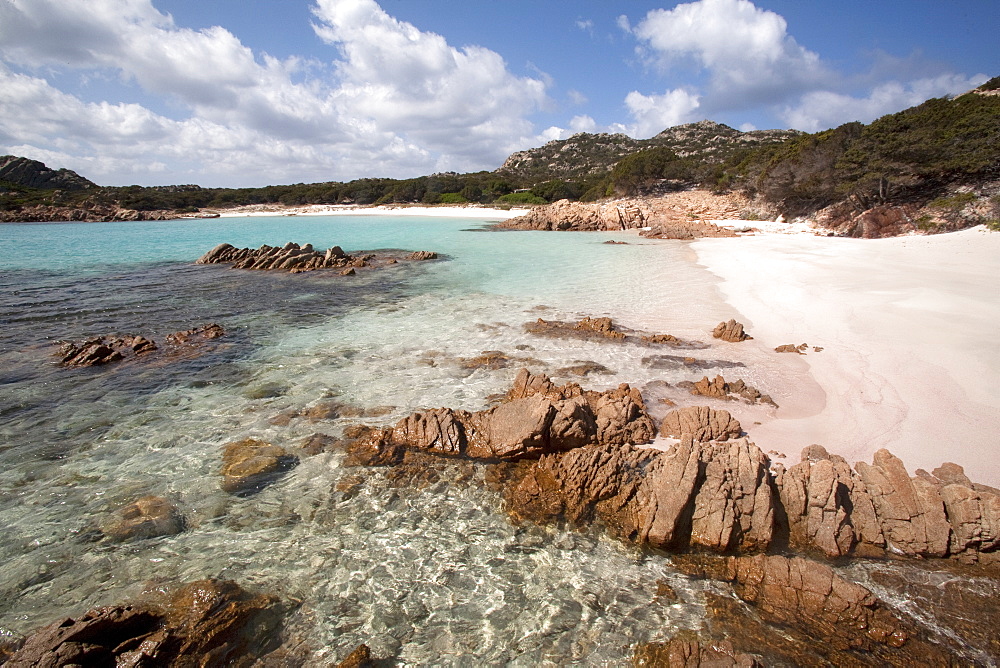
[(596, 329), (148, 517), (250, 465), (682, 652), (824, 619)]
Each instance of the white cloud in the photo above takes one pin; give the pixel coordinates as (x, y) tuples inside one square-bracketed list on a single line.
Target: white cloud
[(585, 25), (746, 51), (743, 59), (582, 123), (576, 97), (655, 113), (822, 109), (395, 100)]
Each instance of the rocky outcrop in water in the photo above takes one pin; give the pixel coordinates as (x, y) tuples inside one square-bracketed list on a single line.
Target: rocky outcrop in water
[(103, 350), (718, 388), (296, 259), (796, 611), (536, 417), (205, 623), (571, 455), (597, 329), (106, 349), (731, 331), (250, 465)]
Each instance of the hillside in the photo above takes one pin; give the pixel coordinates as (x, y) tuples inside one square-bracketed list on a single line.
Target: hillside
[(586, 154), (23, 172)]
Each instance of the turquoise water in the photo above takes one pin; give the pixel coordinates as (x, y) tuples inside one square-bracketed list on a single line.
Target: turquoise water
[(433, 575)]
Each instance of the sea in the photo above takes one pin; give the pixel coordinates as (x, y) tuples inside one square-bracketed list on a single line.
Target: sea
[(431, 574)]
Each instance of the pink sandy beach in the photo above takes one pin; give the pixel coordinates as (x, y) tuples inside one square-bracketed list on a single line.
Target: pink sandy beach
[(908, 327)]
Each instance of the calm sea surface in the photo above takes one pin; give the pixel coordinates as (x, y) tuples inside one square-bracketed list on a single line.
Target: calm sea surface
[(434, 575)]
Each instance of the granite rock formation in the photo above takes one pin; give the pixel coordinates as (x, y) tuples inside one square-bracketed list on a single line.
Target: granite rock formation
[(536, 417), (720, 389), (295, 259), (598, 329), (106, 349), (701, 423), (205, 623), (731, 331)]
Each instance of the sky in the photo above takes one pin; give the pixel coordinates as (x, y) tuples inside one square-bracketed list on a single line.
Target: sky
[(228, 93)]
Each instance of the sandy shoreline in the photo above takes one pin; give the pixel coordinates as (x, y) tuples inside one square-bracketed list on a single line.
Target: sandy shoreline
[(907, 326), (464, 211)]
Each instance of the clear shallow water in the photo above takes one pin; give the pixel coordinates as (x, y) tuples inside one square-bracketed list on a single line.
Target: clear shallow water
[(433, 575)]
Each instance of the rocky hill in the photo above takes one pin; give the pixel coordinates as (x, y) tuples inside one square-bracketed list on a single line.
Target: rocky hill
[(34, 174), (586, 154)]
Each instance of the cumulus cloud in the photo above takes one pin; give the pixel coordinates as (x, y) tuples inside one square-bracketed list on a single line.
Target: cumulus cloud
[(394, 100), (743, 59)]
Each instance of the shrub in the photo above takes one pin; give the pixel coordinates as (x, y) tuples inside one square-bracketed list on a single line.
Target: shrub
[(521, 198)]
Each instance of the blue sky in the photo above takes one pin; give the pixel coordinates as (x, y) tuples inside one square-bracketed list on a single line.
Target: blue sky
[(256, 92)]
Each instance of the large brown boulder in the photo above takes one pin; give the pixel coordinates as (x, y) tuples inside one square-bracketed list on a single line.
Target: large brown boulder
[(709, 495), (206, 623), (828, 507), (731, 331), (701, 423), (250, 465)]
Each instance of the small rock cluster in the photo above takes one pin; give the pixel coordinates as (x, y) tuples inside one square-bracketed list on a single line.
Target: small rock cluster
[(106, 349)]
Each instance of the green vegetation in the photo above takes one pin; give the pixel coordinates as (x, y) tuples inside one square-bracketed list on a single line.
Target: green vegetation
[(521, 198), (639, 172)]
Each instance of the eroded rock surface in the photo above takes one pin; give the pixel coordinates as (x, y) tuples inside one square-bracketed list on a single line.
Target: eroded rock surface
[(536, 417), (106, 349), (296, 259), (701, 423), (591, 329), (731, 331), (720, 389), (208, 622)]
